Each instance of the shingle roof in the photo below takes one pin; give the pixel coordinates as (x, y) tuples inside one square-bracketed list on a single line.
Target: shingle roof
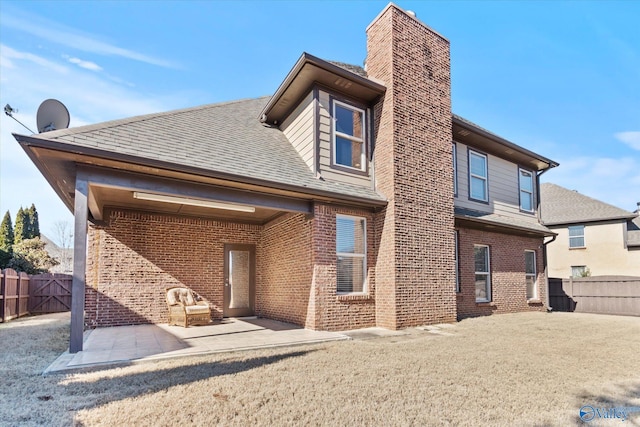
[(355, 69), (562, 206), (225, 138), (501, 220), (633, 232)]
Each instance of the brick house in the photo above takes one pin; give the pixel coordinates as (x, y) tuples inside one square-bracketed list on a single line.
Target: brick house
[(344, 201)]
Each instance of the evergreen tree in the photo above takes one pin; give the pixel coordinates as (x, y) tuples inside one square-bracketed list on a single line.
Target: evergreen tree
[(6, 240), (22, 226), (34, 223), (6, 233)]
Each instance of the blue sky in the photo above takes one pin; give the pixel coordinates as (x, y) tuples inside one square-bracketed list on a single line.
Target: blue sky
[(559, 78)]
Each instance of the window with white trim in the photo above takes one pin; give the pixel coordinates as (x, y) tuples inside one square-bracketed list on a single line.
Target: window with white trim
[(483, 273), (351, 249), (530, 274), (526, 190), (349, 148), (457, 252), (478, 177), (455, 170), (579, 271), (576, 236)]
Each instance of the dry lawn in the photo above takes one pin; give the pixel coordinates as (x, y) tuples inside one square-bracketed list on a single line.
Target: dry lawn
[(519, 369)]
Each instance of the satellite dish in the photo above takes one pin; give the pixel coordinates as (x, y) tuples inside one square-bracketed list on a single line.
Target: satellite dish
[(52, 115)]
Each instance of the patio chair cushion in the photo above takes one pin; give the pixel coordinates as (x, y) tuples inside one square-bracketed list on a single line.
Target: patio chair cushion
[(197, 309), (186, 297)]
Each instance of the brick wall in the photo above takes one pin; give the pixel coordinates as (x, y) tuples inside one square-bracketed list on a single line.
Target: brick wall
[(285, 267), (137, 255), (507, 265), (415, 268), (329, 310)]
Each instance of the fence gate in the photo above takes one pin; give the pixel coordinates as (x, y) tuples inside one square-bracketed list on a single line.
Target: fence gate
[(50, 293)]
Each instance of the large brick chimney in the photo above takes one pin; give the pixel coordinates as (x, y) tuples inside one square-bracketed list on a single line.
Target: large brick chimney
[(415, 270)]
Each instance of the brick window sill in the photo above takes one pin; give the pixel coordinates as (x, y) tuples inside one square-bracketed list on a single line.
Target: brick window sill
[(534, 301), (354, 298), (485, 304)]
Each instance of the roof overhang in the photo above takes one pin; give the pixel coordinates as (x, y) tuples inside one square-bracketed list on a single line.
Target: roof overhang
[(308, 71), (120, 175), (471, 134), (493, 223)]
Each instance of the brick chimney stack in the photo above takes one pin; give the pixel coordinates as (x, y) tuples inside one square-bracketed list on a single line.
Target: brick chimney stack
[(415, 270)]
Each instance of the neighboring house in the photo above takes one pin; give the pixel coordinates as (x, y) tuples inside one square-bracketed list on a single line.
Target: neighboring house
[(594, 238), (64, 256), (350, 198)]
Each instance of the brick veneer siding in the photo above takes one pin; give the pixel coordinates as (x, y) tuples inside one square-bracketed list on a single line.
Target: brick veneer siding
[(135, 256), (415, 269), (508, 287), (285, 268), (329, 310)]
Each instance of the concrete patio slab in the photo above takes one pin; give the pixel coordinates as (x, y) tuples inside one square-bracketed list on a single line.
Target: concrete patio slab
[(132, 344)]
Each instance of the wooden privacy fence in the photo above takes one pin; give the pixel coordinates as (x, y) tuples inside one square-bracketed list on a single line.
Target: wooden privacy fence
[(600, 294), (21, 294)]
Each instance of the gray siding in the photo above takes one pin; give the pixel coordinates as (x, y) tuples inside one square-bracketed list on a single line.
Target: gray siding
[(324, 134), (298, 128), (504, 191)]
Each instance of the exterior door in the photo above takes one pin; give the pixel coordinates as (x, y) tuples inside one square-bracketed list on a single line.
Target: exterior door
[(239, 280)]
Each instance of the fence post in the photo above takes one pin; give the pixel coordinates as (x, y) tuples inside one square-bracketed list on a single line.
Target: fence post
[(3, 303)]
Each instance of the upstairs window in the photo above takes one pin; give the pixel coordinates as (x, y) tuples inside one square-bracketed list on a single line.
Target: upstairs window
[(349, 136), (478, 189), (576, 236), (351, 251), (455, 170), (526, 190)]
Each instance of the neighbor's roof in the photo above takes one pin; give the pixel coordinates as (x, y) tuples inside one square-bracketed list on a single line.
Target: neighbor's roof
[(562, 206), (224, 138), (496, 220), (633, 232)]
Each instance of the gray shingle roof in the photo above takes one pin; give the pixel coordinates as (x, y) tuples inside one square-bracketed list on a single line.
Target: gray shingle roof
[(633, 232), (355, 69), (501, 220), (225, 138), (562, 206)]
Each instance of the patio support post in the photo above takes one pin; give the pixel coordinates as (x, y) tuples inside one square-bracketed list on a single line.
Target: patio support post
[(79, 264)]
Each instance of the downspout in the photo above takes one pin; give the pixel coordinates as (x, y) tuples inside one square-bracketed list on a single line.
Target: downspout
[(544, 244)]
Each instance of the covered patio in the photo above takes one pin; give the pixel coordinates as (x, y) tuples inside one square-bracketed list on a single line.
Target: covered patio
[(123, 345)]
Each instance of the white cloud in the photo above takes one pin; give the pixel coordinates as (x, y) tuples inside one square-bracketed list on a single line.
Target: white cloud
[(56, 33), (7, 54), (27, 80), (87, 65), (631, 138), (612, 180)]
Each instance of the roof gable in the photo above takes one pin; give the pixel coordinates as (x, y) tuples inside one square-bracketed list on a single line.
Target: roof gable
[(562, 206)]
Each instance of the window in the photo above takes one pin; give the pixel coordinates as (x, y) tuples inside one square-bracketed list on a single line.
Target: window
[(576, 236), (483, 276), (526, 190), (351, 251), (579, 271), (455, 171), (349, 136), (530, 274), (478, 177), (457, 251)]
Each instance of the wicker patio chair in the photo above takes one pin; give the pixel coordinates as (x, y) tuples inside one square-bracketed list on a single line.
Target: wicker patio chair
[(184, 308)]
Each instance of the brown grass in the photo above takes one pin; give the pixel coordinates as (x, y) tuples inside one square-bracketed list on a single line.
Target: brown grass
[(520, 369)]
